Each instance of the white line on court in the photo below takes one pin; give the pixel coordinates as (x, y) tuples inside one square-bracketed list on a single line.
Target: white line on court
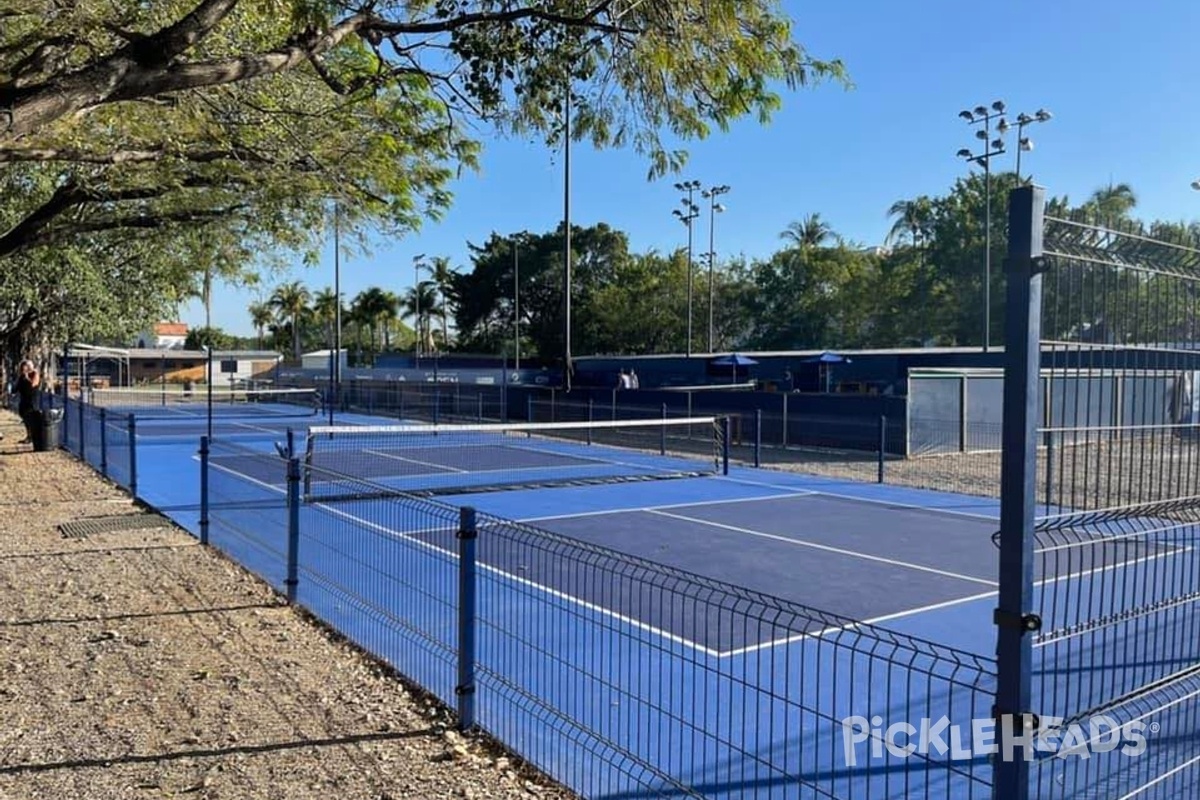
[(406, 460), (944, 604), (872, 500), (568, 598), (828, 548), (664, 506)]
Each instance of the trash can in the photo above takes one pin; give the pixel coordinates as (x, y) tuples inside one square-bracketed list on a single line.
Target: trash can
[(46, 427)]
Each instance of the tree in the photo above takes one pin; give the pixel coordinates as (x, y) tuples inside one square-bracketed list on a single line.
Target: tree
[(210, 337), (418, 304), (912, 218), (291, 302), (812, 231), (246, 118), (442, 275), (261, 315), (324, 312), (1110, 205)]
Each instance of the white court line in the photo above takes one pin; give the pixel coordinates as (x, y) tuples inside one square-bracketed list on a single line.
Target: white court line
[(874, 501), (382, 454), (936, 606), (568, 598), (828, 548), (661, 507)]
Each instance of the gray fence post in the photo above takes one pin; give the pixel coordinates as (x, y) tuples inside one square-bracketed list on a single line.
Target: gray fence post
[(82, 431), (662, 439), (465, 689), (103, 443), (293, 539), (784, 435), (725, 430), (758, 437), (882, 447), (1049, 469), (203, 490), (133, 479), (1015, 622)]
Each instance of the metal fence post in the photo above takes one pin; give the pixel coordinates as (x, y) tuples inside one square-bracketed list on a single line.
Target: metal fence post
[(882, 446), (103, 444), (133, 480), (203, 490), (725, 445), (590, 418), (785, 422), (758, 437), (662, 438), (529, 408), (82, 432), (1049, 469), (465, 689), (1015, 622), (479, 406), (293, 540)]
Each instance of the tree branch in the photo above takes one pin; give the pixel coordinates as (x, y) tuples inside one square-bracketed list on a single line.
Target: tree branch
[(12, 155)]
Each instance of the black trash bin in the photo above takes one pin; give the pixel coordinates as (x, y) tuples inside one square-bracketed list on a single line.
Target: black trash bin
[(46, 427)]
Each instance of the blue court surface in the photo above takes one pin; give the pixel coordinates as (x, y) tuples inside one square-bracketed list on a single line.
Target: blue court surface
[(918, 563)]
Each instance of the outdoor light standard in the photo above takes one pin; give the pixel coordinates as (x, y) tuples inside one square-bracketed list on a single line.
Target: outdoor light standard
[(418, 262), (991, 147), (713, 208), (689, 214), (1023, 141), (516, 306), (335, 365)]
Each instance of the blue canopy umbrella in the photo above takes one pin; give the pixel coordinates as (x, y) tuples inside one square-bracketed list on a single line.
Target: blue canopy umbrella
[(824, 361), (733, 361)]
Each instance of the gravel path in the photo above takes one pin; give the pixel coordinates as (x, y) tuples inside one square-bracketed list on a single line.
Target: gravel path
[(138, 664)]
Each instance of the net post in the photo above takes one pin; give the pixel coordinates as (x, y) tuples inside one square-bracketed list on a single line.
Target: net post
[(882, 447), (293, 540), (1015, 622), (133, 479), (103, 443), (757, 437), (662, 439), (464, 691), (291, 443), (203, 490), (725, 445)]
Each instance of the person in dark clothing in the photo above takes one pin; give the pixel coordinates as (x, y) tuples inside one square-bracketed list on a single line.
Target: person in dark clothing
[(28, 383)]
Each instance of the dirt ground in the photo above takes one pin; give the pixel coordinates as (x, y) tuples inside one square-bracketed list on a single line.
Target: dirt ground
[(138, 664)]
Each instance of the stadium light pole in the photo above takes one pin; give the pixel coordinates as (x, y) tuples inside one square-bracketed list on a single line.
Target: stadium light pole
[(688, 216), (713, 209), (335, 364), (418, 262), (516, 304), (1023, 141), (982, 115)]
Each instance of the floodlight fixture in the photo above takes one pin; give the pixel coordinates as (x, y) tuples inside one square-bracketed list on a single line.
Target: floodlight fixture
[(981, 111), (998, 106)]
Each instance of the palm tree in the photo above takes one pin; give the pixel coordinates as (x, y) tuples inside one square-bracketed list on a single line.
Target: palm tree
[(291, 302), (812, 231), (1111, 203), (261, 316), (443, 278), (418, 304), (324, 309), (372, 304), (389, 312), (912, 218)]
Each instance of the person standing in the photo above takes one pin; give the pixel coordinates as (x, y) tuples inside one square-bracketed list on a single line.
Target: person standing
[(28, 383)]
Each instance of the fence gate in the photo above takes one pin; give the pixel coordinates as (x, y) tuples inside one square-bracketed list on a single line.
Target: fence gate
[(1099, 611)]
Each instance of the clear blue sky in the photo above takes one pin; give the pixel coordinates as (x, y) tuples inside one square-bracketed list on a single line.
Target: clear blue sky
[(1120, 78)]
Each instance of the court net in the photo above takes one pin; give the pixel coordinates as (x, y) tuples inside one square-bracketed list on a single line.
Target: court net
[(344, 463), (176, 402)]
